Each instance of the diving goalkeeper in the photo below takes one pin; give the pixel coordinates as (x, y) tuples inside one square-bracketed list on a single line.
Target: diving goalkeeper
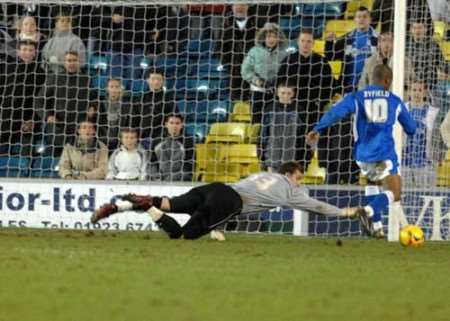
[(213, 204)]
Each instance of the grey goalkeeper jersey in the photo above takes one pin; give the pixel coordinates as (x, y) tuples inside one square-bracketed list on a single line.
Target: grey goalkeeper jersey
[(264, 191)]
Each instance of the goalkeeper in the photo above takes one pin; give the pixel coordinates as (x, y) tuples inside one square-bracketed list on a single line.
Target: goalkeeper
[(214, 204)]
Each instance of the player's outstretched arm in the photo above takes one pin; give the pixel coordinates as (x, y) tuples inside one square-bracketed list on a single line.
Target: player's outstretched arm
[(301, 201), (340, 110)]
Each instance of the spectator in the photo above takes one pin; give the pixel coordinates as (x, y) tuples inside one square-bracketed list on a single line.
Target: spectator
[(63, 41), (27, 30), (19, 84), (239, 32), (425, 55), (260, 66), (382, 56), (114, 113), (129, 33), (151, 109), (439, 10), (383, 12), (205, 20), (86, 158), (311, 74), (174, 28), (353, 49), (63, 97), (173, 155), (418, 151), (128, 162), (282, 128), (445, 130)]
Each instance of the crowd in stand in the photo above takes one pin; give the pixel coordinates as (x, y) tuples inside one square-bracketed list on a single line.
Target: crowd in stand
[(47, 98)]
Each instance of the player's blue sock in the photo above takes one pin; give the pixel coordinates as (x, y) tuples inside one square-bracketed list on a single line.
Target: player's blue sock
[(380, 204)]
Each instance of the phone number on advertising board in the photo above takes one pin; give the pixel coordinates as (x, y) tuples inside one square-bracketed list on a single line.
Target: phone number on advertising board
[(79, 225)]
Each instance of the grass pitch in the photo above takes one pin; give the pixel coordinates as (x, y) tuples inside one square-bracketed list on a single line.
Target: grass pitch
[(70, 275)]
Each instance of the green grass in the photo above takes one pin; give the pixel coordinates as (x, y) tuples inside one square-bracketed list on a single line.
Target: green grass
[(62, 275)]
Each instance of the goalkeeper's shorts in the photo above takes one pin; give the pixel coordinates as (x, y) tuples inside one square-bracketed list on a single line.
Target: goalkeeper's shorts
[(209, 206)]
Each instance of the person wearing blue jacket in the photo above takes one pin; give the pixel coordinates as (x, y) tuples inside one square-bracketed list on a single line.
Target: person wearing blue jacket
[(375, 111), (353, 49)]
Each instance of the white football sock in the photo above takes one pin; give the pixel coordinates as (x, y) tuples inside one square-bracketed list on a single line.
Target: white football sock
[(377, 225), (369, 210), (155, 213), (123, 206)]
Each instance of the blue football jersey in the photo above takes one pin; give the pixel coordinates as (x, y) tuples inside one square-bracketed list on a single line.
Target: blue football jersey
[(375, 111)]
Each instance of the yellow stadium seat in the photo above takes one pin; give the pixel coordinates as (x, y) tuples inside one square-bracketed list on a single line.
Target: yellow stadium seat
[(445, 47), (204, 154), (222, 172), (319, 47), (336, 68), (246, 155), (240, 153), (252, 135), (241, 112), (353, 5), (439, 30), (443, 174), (233, 162), (339, 27), (314, 174), (227, 133)]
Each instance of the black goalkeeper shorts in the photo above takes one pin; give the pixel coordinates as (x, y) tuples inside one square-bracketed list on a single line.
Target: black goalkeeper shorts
[(209, 206)]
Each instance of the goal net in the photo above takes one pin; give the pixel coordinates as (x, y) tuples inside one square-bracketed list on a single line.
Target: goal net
[(178, 93)]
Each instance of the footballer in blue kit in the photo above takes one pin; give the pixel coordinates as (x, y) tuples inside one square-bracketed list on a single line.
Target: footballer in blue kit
[(375, 111)]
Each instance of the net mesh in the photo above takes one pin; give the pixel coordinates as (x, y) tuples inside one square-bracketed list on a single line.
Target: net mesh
[(214, 92)]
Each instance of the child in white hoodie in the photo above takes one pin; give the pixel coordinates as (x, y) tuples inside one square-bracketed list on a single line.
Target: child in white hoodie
[(128, 162)]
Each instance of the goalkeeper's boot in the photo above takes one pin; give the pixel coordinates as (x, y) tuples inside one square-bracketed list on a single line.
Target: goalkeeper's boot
[(139, 202), (365, 221), (104, 211)]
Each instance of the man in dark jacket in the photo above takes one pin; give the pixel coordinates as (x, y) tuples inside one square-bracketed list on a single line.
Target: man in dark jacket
[(19, 84), (63, 98), (173, 155), (237, 39), (151, 109), (311, 74)]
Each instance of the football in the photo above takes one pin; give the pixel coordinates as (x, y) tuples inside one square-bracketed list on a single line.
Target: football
[(412, 236)]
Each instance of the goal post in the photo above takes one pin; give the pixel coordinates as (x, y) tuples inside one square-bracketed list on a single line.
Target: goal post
[(398, 86)]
